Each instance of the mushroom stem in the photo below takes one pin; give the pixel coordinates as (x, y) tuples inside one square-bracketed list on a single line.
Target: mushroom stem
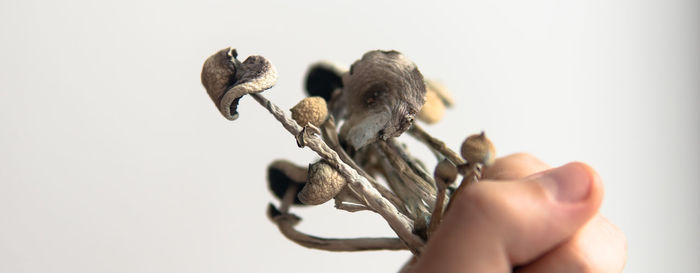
[(349, 207), (328, 129), (435, 144), (420, 186), (413, 163), (397, 183), (288, 198), (436, 216), (286, 223), (397, 221), (471, 173)]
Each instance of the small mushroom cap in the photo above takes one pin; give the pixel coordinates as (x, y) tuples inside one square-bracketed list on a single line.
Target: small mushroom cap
[(478, 149), (324, 183), (446, 172), (227, 80), (311, 110), (323, 78), (282, 174), (382, 93)]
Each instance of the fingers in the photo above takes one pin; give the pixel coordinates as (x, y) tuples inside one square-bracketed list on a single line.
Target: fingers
[(494, 226), (598, 247), (515, 166)]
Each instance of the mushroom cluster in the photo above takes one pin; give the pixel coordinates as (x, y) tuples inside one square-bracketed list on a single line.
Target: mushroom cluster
[(362, 166)]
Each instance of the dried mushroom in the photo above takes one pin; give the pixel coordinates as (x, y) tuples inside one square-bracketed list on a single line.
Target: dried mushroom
[(282, 174), (479, 149), (310, 110), (323, 79), (323, 183), (382, 93), (374, 101), (227, 80)]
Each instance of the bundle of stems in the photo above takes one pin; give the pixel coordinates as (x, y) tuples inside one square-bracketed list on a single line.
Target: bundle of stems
[(374, 101)]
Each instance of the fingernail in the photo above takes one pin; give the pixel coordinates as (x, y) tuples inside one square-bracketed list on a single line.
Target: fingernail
[(570, 183)]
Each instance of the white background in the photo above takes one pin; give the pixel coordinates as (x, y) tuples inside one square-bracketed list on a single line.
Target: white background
[(113, 158)]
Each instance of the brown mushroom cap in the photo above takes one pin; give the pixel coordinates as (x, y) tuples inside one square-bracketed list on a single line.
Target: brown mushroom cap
[(446, 172), (227, 80), (478, 149), (433, 110), (381, 95), (323, 183), (310, 110), (441, 91)]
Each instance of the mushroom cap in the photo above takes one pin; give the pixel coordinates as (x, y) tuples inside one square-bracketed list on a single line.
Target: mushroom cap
[(433, 110), (311, 110), (281, 174), (441, 91), (323, 78), (446, 172), (381, 95), (478, 148), (323, 183), (227, 80)]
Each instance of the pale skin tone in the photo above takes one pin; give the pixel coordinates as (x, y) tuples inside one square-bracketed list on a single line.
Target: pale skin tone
[(525, 216)]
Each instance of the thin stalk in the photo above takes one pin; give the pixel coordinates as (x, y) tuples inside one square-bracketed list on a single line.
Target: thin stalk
[(286, 222), (328, 129), (435, 144), (397, 221), (471, 173), (438, 209)]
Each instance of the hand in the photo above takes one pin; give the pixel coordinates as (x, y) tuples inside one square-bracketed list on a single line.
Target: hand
[(525, 217)]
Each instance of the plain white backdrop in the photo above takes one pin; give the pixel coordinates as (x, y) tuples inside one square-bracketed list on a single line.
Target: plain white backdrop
[(113, 158)]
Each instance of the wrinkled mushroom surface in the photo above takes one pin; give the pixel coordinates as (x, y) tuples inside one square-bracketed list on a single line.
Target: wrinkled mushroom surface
[(323, 183), (382, 93), (310, 110), (227, 80)]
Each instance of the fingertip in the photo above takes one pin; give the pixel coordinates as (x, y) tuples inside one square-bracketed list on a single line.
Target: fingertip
[(596, 189), (572, 183)]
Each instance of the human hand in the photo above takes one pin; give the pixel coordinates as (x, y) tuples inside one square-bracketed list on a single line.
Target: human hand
[(525, 217)]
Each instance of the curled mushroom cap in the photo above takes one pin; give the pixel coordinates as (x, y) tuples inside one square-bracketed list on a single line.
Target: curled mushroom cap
[(478, 149), (381, 95), (227, 80), (281, 174), (323, 183)]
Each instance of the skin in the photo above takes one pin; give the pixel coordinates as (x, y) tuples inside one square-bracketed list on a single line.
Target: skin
[(524, 217)]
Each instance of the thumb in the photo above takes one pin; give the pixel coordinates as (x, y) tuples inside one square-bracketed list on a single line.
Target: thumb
[(492, 227)]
